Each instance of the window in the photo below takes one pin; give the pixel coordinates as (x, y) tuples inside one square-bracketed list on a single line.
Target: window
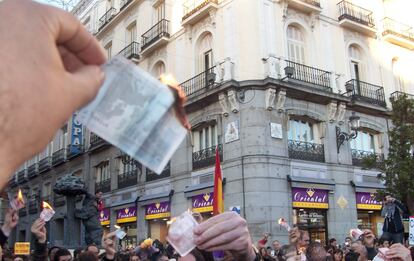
[(102, 172), (109, 4), (160, 12), (78, 173), (301, 131), (60, 140), (396, 72), (205, 53), (34, 193), (356, 64), (159, 68), (46, 152), (296, 44), (131, 33), (204, 138), (108, 48), (46, 190), (126, 168), (363, 142)]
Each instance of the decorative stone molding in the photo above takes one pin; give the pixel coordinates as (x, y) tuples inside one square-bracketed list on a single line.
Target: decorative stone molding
[(341, 113), (331, 111), (226, 69), (271, 66), (224, 104), (234, 105), (281, 98), (270, 99)]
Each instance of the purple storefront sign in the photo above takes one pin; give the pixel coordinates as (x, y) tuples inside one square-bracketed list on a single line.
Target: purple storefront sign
[(367, 201), (104, 216), (203, 202), (310, 198), (158, 210), (126, 215)]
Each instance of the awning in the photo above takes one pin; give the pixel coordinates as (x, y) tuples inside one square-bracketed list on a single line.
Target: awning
[(367, 186), (302, 182), (154, 198)]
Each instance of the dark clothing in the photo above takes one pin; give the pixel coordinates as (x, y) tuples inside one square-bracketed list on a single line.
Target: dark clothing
[(393, 237), (394, 224), (371, 252), (40, 251), (3, 238), (89, 215)]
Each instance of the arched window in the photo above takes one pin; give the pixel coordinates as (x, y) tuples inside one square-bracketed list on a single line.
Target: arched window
[(397, 76), (205, 53), (296, 44), (356, 62), (364, 142), (158, 69)]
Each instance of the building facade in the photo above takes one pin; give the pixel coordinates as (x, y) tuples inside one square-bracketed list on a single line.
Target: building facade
[(273, 85)]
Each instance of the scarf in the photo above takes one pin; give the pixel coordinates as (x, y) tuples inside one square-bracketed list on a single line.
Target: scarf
[(388, 210)]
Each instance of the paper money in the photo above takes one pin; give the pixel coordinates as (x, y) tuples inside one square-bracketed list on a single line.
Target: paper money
[(120, 234), (181, 235), (17, 202), (134, 112), (47, 214)]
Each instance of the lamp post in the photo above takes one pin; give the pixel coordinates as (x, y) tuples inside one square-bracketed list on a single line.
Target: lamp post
[(343, 136)]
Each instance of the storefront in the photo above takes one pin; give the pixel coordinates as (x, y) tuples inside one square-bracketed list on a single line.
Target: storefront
[(157, 214), (203, 204), (310, 212), (105, 219), (369, 212), (126, 218)]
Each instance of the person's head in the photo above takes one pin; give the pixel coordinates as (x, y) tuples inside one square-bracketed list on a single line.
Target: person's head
[(368, 238), (62, 255), (333, 242), (77, 252), (287, 253), (52, 252), (304, 239), (20, 258), (338, 254), (383, 242), (87, 256), (388, 198), (263, 251), (134, 257), (93, 249), (348, 241), (351, 256), (360, 249), (315, 252), (276, 245), (98, 194)]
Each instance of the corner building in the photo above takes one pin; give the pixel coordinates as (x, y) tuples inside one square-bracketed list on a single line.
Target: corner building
[(272, 85)]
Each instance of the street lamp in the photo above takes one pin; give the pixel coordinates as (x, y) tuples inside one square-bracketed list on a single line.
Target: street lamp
[(343, 136), (128, 160)]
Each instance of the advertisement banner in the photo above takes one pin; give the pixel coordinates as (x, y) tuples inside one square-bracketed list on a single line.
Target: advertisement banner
[(22, 248), (310, 198), (158, 210), (76, 135), (105, 217), (367, 201), (203, 203), (126, 215)]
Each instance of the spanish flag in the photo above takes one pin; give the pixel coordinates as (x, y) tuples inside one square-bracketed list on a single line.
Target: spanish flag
[(218, 204)]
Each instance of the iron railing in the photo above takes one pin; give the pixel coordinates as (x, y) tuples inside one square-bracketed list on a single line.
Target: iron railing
[(45, 164), (398, 29), (191, 7), (304, 73), (74, 150), (58, 157), (124, 3), (131, 51), (355, 13), (96, 141), (200, 82), (104, 186), (32, 171), (33, 206), (12, 182), (306, 151), (359, 158), (59, 200), (396, 95), (366, 92), (151, 176), (127, 179), (155, 33), (206, 157), (107, 17), (21, 176)]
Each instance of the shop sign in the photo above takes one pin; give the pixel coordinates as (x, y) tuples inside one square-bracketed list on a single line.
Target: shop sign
[(367, 201), (203, 203), (22, 248), (310, 198), (77, 135), (158, 210), (125, 215), (105, 217)]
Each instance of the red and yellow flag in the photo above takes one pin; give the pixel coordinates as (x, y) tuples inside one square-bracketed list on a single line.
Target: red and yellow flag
[(218, 204)]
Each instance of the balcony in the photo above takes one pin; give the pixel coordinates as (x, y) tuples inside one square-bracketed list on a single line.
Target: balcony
[(206, 157), (366, 92), (12, 182), (74, 151), (33, 206), (397, 95), (131, 51), (96, 142), (59, 200), (32, 171), (127, 179), (306, 6), (155, 37), (124, 3), (151, 176), (21, 176), (361, 158), (306, 151), (398, 33), (104, 186), (58, 157), (356, 18), (314, 77), (45, 164), (201, 82), (107, 17), (195, 10)]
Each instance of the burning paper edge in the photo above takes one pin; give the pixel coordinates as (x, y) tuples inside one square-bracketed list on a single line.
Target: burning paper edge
[(188, 212), (47, 208), (18, 202), (282, 222)]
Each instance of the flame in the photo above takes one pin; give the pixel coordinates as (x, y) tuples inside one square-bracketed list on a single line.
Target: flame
[(117, 227), (168, 79), (281, 221), (46, 205), (171, 221), (20, 196)]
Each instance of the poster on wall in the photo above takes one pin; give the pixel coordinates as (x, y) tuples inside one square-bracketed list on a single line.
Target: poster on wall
[(232, 132), (276, 130)]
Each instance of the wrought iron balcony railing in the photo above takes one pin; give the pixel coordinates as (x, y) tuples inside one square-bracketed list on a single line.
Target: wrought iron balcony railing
[(155, 33), (96, 141), (355, 13), (193, 6), (32, 171), (306, 151), (360, 157), (74, 150), (151, 176), (206, 157), (304, 73), (201, 82), (127, 179), (59, 200), (45, 164), (366, 92), (104, 186), (107, 17), (398, 29), (124, 3), (58, 157), (396, 95), (21, 176), (131, 51), (33, 206), (12, 182)]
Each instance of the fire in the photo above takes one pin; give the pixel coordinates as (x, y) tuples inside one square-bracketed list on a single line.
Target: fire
[(171, 221), (20, 196), (46, 205), (168, 79), (281, 221), (117, 227)]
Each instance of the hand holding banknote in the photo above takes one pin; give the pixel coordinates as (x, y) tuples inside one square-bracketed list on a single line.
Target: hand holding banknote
[(10, 221)]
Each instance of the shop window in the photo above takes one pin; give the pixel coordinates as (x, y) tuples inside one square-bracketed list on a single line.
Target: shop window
[(314, 221), (296, 44)]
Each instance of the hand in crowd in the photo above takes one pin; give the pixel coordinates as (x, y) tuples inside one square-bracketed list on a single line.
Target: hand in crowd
[(59, 73), (10, 221), (227, 231), (39, 230), (398, 252), (109, 244)]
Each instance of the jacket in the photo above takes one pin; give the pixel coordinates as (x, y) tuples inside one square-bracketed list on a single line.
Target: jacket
[(399, 226)]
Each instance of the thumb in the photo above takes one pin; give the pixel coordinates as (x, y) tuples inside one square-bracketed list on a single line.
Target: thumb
[(84, 84)]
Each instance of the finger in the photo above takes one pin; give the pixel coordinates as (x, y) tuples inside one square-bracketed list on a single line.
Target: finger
[(225, 237), (213, 221), (70, 61), (216, 231), (84, 84)]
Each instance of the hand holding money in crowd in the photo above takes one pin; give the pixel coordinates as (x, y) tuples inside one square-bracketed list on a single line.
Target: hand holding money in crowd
[(108, 243), (398, 252), (10, 221), (39, 230)]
